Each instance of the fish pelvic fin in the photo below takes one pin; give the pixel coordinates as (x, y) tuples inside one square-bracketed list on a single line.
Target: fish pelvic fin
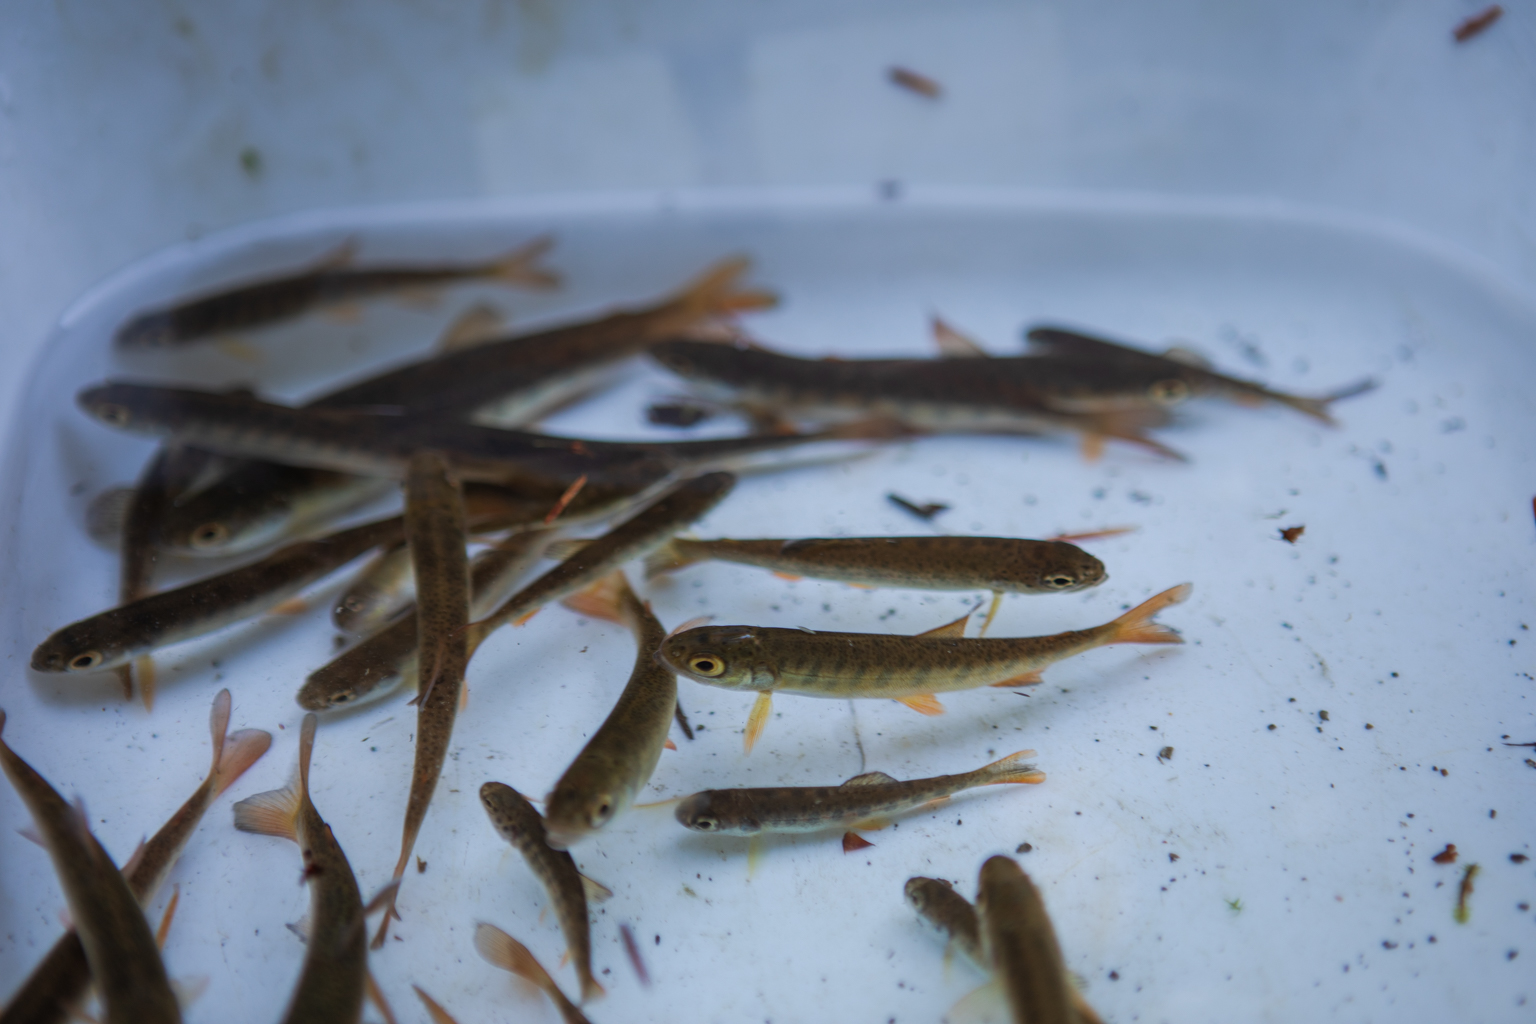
[(434, 1008), (1031, 678), (670, 557), (274, 813), (922, 703), (852, 841), (375, 995), (167, 917), (596, 892), (1010, 769), (602, 600), (1136, 626), (758, 718), (520, 267)]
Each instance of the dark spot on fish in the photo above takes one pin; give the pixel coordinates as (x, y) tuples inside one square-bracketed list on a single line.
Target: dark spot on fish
[(924, 512), (1290, 533)]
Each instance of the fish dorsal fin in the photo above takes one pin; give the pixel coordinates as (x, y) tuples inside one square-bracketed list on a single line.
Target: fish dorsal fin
[(950, 629), (301, 928), (274, 813), (596, 892), (1187, 357), (602, 600), (871, 779), (133, 861), (954, 345)]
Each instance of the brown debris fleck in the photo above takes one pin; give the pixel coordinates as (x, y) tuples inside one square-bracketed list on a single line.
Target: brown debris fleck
[(421, 866), (1290, 533), (1446, 856), (922, 84), (924, 512), (1166, 754), (1478, 23)]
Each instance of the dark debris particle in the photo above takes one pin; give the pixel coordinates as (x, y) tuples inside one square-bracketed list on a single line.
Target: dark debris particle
[(1477, 24), (1023, 848), (1273, 727), (251, 162), (1518, 858), (1114, 975), (1172, 857), (1322, 716), (1166, 754), (1511, 954), (1368, 725), (1290, 533), (1385, 944), (924, 512), (915, 82), (1446, 856)]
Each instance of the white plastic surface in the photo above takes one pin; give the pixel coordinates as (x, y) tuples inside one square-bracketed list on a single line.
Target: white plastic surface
[(1303, 887)]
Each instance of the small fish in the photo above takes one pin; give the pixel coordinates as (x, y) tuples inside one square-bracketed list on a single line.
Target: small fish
[(631, 539), (862, 800), (519, 824), (908, 669), (379, 592), (617, 762), (119, 944), (999, 564), (1174, 379), (118, 635), (501, 950), (1020, 395), (1021, 945), (329, 282), (61, 979), (331, 985), (388, 657), (434, 528)]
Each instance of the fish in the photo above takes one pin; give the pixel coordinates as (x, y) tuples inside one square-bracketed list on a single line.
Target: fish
[(434, 528), (116, 636), (999, 564), (331, 985), (1021, 946), (617, 762), (1011, 396), (1177, 374), (513, 380), (908, 669), (330, 282), (857, 803), (519, 824), (501, 950), (380, 590), (119, 944), (634, 538), (388, 657), (59, 983)]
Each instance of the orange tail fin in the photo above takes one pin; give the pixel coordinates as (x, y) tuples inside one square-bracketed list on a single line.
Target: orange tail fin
[(1136, 626)]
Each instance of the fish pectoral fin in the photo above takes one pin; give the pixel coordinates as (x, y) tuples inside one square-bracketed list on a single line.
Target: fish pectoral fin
[(189, 990), (986, 1005), (144, 672), (853, 841), (954, 345), (167, 917), (950, 629), (301, 928), (344, 313), (375, 995), (274, 813), (522, 620), (1026, 679), (382, 899), (754, 854), (30, 832), (871, 779), (758, 718), (788, 576), (596, 892), (669, 745), (922, 703)]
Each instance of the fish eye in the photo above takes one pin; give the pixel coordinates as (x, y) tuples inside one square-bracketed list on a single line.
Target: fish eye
[(1059, 581), (706, 665), (342, 698), (704, 824), (85, 662), (1169, 392), (114, 415), (602, 812), (210, 535)]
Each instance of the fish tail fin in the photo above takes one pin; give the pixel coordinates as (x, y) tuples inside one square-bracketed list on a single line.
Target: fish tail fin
[(1130, 427), (670, 557), (1136, 626), (242, 748), (499, 949), (1010, 769), (306, 748), (521, 266), (274, 813), (604, 599), (714, 293), (375, 995), (1318, 408), (434, 1008)]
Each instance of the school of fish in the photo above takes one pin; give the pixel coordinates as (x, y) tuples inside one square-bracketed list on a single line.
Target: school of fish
[(454, 432)]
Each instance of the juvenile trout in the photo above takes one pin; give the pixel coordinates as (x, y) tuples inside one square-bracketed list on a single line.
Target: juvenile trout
[(388, 657), (1175, 376), (116, 636), (908, 669), (501, 950), (119, 944), (331, 984), (999, 564), (519, 824), (380, 591), (327, 283), (57, 987), (618, 760), (861, 800), (434, 527), (1021, 945)]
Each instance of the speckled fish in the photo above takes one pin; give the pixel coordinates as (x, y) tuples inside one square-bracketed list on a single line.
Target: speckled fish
[(331, 984), (617, 762), (1021, 946), (499, 949), (634, 538), (57, 987), (863, 799), (519, 824), (376, 445), (117, 635), (119, 944), (908, 669), (387, 659), (1000, 564), (1177, 375), (932, 395), (328, 283), (380, 591), (434, 528)]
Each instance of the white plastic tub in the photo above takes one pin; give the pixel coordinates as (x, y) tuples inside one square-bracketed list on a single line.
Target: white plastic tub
[(1277, 867)]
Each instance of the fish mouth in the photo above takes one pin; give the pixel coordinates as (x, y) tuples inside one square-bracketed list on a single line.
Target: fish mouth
[(561, 837), (47, 661)]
